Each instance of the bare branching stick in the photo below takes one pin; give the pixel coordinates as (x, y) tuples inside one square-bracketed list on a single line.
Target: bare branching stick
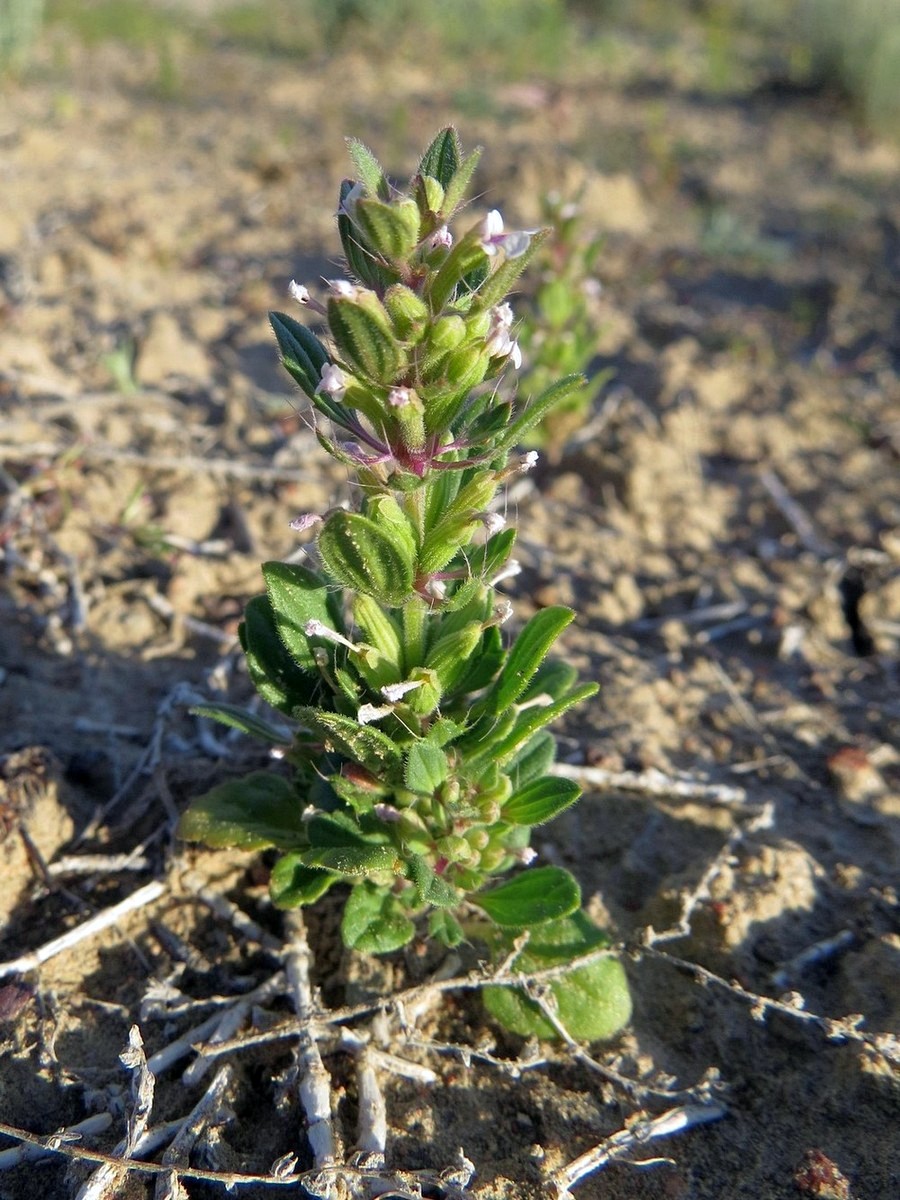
[(701, 893), (652, 782), (230, 1022), (25, 1153), (623, 1144), (315, 1083), (87, 929)]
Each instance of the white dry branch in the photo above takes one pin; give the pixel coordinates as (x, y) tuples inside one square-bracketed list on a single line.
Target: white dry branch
[(620, 1146), (652, 782), (25, 1153), (87, 929), (207, 1111), (315, 1082)]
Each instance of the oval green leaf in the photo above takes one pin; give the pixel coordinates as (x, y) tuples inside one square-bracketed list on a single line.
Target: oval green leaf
[(539, 895), (540, 801)]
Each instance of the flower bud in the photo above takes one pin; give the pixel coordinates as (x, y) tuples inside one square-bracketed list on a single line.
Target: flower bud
[(407, 311)]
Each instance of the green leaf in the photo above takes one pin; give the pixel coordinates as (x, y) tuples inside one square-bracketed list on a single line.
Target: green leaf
[(484, 665), (369, 747), (259, 810), (367, 558), (528, 652), (298, 595), (450, 657), (426, 768), (592, 1001), (353, 860), (540, 894), (430, 887), (302, 354), (441, 159), (534, 759), (505, 745), (275, 675), (392, 230), (455, 188), (362, 333), (496, 286), (445, 928), (379, 630), (368, 169), (334, 829), (540, 801), (374, 922), (292, 884), (538, 409), (247, 722)]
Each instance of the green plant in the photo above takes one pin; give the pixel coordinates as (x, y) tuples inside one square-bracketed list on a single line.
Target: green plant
[(559, 330), (421, 759)]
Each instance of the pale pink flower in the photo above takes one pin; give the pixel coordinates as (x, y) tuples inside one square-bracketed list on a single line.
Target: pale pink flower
[(332, 382)]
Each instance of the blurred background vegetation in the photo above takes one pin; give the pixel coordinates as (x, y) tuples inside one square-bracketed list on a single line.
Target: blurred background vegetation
[(848, 49)]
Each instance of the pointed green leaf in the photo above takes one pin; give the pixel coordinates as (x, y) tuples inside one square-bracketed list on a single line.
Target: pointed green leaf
[(455, 188), (540, 801), (363, 335), (334, 829), (430, 887), (298, 595), (363, 744), (441, 159), (392, 230), (379, 630), (445, 928), (259, 810), (553, 678), (496, 286), (451, 656), (426, 768), (592, 1001), (275, 674), (374, 922), (360, 555), (528, 652), (533, 760), (538, 409), (292, 884), (353, 860), (368, 169), (504, 747), (540, 894), (302, 354), (484, 665), (247, 722)]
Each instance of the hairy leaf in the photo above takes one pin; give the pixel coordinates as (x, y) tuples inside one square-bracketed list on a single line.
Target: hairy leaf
[(540, 800), (259, 810), (539, 895)]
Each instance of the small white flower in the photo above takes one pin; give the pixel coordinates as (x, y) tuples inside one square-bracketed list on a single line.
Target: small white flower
[(526, 856), (491, 231), (332, 382), (299, 292), (342, 288), (503, 611), (493, 522), (441, 237), (396, 691), (529, 461), (305, 521), (436, 589), (368, 713), (510, 571), (399, 397), (317, 629)]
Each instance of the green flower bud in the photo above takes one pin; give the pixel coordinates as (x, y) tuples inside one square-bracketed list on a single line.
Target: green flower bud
[(432, 193), (455, 849), (408, 312)]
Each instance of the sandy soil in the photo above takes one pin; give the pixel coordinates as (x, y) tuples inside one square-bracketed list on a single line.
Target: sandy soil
[(729, 533)]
